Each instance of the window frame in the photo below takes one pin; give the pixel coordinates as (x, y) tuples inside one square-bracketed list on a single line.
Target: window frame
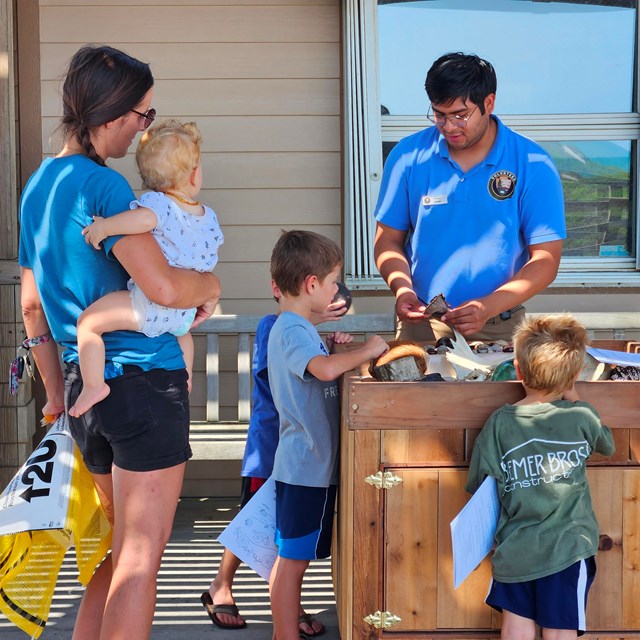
[(366, 130)]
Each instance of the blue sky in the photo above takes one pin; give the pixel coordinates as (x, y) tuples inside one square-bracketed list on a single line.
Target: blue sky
[(549, 57)]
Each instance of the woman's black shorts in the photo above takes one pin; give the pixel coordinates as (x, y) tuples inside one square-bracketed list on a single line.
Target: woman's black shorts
[(142, 425)]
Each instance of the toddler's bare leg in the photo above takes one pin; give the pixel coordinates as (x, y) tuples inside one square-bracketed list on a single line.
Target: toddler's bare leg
[(112, 312)]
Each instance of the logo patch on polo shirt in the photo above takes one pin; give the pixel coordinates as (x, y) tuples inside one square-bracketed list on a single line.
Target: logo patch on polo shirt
[(502, 184)]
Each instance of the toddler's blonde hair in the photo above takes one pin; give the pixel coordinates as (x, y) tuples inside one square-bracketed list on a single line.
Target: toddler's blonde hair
[(550, 351), (167, 154)]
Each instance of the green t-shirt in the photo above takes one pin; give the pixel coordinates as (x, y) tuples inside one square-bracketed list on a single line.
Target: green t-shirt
[(537, 454)]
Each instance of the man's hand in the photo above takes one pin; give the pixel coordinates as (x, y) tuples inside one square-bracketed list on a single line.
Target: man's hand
[(205, 311), (468, 318), (409, 308), (95, 233)]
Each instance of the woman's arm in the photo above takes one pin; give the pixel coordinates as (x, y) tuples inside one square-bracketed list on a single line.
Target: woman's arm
[(45, 355), (127, 223), (168, 286)]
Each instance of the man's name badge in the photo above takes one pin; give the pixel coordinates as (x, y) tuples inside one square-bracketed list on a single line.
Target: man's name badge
[(429, 201)]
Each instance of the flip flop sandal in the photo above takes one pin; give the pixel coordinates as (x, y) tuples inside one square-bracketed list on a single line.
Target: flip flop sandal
[(308, 618), (214, 609)]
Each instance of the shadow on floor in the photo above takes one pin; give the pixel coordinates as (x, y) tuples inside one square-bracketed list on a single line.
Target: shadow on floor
[(189, 562)]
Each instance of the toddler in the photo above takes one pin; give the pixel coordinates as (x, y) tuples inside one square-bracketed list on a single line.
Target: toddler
[(168, 158)]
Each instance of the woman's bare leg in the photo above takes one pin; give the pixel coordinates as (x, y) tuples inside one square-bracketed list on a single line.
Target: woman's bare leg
[(89, 618), (144, 508), (112, 312)]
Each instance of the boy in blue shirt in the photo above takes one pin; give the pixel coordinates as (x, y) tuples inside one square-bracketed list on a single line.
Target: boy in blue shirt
[(305, 267), (547, 535)]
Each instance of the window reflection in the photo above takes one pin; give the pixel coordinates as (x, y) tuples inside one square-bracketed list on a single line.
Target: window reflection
[(550, 57), (597, 193)]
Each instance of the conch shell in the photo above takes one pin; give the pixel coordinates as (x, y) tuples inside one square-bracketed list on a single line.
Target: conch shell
[(405, 361)]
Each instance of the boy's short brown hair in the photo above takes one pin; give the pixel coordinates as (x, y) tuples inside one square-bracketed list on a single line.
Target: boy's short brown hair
[(167, 154), (550, 351), (299, 254)]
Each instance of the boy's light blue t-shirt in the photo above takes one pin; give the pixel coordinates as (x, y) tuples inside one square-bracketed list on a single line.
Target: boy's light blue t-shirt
[(309, 409), (58, 201)]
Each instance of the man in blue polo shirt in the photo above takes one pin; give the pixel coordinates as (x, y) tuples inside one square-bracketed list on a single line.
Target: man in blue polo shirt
[(467, 208)]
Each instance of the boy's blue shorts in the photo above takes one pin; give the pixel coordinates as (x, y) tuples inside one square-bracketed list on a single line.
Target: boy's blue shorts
[(304, 521), (557, 601)]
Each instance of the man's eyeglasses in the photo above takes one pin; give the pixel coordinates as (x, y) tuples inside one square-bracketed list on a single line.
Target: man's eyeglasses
[(149, 116), (440, 120)]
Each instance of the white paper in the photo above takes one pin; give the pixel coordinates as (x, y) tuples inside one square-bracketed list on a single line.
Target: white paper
[(251, 534), (473, 530), (610, 356), (38, 495)]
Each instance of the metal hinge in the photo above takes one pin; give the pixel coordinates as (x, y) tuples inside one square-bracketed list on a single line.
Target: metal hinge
[(384, 480), (382, 619)]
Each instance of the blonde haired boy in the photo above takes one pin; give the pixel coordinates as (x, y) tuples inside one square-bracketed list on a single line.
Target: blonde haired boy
[(169, 160), (547, 535)]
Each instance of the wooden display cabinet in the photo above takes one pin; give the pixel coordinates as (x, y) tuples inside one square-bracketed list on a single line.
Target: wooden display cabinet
[(393, 562)]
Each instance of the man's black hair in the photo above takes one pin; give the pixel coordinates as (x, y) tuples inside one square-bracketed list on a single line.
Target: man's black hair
[(458, 75)]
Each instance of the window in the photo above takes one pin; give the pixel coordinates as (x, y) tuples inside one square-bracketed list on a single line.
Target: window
[(566, 78)]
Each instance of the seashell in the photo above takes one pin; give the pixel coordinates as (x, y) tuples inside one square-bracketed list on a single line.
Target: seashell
[(437, 306), (625, 373), (477, 376), (439, 365), (505, 371), (479, 347), (464, 367), (444, 341), (593, 369), (405, 361), (432, 377), (343, 293)]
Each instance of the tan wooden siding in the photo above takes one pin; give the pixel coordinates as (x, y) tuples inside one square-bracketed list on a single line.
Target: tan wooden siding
[(218, 59), (263, 81), (107, 22), (142, 3)]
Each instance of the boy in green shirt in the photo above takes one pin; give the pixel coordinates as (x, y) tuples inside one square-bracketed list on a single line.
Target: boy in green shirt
[(536, 449)]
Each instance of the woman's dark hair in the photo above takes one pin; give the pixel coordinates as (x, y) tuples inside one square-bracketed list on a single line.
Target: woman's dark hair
[(457, 75), (101, 85)]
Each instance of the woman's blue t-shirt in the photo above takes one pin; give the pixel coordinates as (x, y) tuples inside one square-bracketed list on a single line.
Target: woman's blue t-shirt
[(57, 203)]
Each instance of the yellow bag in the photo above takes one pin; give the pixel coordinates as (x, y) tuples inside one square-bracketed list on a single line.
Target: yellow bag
[(51, 503)]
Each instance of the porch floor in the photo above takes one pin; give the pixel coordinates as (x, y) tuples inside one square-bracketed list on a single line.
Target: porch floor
[(190, 561)]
